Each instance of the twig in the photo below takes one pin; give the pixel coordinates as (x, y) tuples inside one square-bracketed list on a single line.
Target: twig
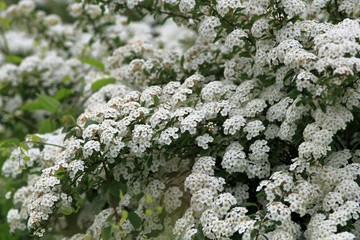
[(45, 143), (6, 45), (20, 118), (112, 199)]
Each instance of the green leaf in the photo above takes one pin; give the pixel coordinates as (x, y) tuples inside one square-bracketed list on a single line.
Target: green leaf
[(63, 93), (106, 233), (66, 78), (117, 187), (32, 106), (13, 59), (199, 235), (71, 133), (48, 103), (135, 220), (23, 146), (34, 138), (60, 173), (124, 216), (48, 125), (94, 63), (3, 5), (101, 83), (9, 142), (89, 122), (68, 210), (254, 233), (250, 204), (87, 237), (68, 121), (156, 100)]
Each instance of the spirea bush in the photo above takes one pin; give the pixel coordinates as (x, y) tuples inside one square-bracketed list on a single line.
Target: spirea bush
[(181, 119)]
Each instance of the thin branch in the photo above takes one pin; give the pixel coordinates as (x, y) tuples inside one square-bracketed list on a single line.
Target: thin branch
[(112, 199), (152, 10), (6, 45), (20, 118), (45, 143)]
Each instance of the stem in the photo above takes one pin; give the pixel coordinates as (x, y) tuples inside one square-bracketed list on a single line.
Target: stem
[(45, 143), (20, 118), (152, 10), (222, 18), (112, 199), (6, 45)]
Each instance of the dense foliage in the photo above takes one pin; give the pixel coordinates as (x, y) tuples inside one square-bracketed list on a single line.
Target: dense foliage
[(180, 119)]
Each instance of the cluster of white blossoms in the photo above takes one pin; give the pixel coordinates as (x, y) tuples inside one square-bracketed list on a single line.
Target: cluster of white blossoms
[(242, 123), (42, 50)]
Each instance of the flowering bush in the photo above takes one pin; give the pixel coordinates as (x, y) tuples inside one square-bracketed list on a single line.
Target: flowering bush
[(144, 119)]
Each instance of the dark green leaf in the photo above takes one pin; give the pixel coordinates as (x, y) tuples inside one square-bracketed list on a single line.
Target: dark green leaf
[(250, 204), (156, 100), (135, 220), (106, 233), (199, 235), (90, 122), (117, 187), (254, 233)]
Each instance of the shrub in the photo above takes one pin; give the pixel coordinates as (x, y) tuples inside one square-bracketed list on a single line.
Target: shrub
[(240, 121)]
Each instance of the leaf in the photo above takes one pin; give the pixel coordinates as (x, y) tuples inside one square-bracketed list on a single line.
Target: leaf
[(34, 138), (9, 142), (124, 216), (3, 5), (63, 93), (101, 83), (68, 121), (23, 146), (71, 133), (48, 103), (66, 78), (13, 59), (135, 220), (322, 107), (118, 189), (106, 233), (32, 106), (182, 60), (89, 122), (250, 204), (199, 235), (254, 233), (87, 237), (94, 63), (156, 100), (68, 210), (48, 125)]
